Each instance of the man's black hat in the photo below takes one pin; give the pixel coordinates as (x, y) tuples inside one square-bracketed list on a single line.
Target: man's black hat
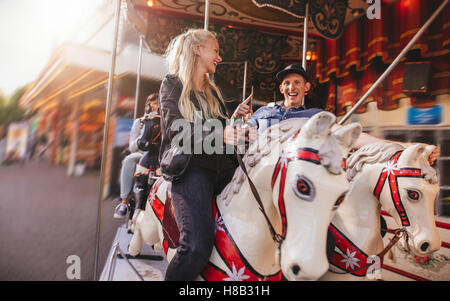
[(294, 68)]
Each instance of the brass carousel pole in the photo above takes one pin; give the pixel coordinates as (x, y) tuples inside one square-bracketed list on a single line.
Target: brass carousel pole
[(105, 134), (138, 76), (395, 62), (305, 36), (206, 15), (244, 87)]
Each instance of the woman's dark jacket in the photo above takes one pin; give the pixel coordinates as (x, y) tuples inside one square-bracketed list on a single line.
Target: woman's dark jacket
[(173, 161)]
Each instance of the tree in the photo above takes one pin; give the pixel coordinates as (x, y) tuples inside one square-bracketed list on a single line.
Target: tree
[(10, 109)]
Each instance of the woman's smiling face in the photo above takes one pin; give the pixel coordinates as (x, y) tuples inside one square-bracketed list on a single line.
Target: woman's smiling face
[(208, 56)]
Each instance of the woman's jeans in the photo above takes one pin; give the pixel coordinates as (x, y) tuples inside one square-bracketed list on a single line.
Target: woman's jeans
[(192, 199), (127, 173)]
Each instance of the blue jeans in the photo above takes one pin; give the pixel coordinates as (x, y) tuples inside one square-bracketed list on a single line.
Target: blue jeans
[(127, 173), (192, 199)]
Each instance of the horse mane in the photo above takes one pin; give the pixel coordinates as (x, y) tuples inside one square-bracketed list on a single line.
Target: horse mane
[(271, 138), (380, 152)]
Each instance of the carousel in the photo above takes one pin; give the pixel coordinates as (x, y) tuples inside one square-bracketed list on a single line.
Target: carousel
[(295, 209)]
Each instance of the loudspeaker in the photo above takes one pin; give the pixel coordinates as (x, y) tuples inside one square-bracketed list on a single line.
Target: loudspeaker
[(416, 78)]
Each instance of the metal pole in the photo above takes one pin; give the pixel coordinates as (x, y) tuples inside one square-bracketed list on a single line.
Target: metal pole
[(112, 262), (138, 76), (244, 88), (206, 15), (305, 36), (75, 138), (112, 70), (395, 62)]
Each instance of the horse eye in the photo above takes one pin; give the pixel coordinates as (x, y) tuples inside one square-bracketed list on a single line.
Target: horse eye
[(414, 195), (304, 188), (339, 201)]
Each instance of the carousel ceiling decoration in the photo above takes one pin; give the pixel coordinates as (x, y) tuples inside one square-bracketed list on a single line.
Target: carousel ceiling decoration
[(328, 16), (262, 51), (240, 11)]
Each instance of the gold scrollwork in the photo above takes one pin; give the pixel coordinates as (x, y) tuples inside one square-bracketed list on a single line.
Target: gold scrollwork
[(195, 5), (329, 16)]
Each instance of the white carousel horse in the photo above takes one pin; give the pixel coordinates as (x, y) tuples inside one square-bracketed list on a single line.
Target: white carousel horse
[(306, 167), (405, 185)]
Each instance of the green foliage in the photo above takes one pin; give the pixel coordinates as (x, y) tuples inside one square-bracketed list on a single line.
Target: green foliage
[(10, 109)]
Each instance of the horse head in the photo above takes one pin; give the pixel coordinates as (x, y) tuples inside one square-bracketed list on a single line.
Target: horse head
[(308, 185), (410, 199), (151, 133)]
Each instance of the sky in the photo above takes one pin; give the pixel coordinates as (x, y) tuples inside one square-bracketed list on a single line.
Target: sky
[(30, 30)]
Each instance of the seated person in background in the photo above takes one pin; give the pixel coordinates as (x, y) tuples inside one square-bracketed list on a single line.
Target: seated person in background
[(137, 151)]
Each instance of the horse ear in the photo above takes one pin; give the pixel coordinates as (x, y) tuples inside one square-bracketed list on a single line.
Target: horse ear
[(412, 154), (318, 126), (347, 136), (428, 150)]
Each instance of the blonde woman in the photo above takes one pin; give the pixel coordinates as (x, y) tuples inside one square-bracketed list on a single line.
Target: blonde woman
[(186, 92)]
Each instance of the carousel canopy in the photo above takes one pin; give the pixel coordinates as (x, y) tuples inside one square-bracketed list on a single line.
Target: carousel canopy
[(270, 37), (264, 14), (328, 16)]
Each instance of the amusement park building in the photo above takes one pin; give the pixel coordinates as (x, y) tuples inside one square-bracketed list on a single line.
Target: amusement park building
[(412, 103)]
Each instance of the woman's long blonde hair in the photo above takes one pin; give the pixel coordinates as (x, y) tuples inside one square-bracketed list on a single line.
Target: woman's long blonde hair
[(181, 58)]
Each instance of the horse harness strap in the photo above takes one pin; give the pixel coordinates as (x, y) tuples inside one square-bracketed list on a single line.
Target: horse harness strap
[(275, 236), (362, 270), (306, 154), (391, 173), (232, 256)]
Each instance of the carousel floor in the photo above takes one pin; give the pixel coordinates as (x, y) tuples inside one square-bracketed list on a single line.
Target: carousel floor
[(149, 264)]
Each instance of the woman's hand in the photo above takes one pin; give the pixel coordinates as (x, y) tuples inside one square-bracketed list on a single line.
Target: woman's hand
[(243, 108), (234, 134), (230, 134)]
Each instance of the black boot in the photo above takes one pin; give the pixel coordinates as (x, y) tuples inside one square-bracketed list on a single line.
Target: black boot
[(142, 189)]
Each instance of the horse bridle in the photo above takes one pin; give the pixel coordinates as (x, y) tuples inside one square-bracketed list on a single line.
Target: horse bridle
[(392, 173), (305, 154)]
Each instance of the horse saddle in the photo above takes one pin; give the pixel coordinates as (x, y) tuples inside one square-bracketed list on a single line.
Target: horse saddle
[(169, 222)]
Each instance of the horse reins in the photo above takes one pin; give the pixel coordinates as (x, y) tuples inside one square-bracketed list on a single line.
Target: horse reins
[(306, 154), (277, 238), (397, 235)]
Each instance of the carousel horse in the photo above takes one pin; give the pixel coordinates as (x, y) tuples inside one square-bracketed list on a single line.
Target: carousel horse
[(402, 182), (296, 167), (148, 165)]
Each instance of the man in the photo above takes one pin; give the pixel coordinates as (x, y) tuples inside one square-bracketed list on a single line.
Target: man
[(294, 86), (137, 151)]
